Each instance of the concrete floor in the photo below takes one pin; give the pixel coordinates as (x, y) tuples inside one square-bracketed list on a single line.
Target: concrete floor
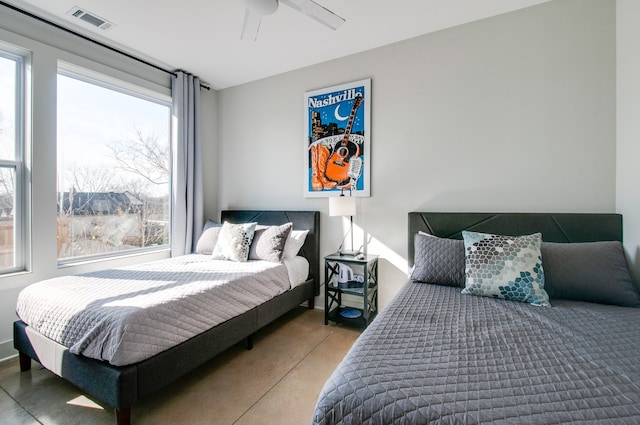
[(275, 383)]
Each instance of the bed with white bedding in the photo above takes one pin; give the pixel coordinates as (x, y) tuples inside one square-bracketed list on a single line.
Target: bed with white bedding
[(103, 316), (114, 332)]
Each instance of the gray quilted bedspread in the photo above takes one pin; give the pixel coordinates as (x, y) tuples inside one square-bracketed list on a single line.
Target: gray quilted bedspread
[(434, 356), (129, 314)]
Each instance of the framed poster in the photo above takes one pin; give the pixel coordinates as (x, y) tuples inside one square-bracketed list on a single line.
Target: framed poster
[(337, 140)]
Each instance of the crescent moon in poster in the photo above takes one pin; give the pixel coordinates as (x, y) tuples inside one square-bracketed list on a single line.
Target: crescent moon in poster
[(338, 116)]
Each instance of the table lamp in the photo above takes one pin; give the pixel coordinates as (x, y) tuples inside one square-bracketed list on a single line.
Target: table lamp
[(344, 206)]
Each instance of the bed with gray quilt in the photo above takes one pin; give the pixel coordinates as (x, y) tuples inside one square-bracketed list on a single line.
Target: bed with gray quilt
[(121, 334), (467, 341)]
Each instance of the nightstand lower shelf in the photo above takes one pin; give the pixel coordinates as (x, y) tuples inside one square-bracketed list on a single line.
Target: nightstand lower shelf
[(360, 321)]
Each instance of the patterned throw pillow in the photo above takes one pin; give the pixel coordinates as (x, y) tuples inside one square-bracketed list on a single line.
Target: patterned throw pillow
[(234, 242), (507, 267)]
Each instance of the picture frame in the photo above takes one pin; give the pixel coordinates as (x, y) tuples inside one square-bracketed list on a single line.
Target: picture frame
[(337, 140)]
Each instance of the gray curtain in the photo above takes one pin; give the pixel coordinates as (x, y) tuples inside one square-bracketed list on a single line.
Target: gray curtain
[(187, 191)]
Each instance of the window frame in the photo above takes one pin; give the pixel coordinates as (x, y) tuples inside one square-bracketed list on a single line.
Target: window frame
[(21, 229), (106, 81)]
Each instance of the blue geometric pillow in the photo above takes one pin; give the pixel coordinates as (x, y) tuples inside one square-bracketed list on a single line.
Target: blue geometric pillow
[(507, 267)]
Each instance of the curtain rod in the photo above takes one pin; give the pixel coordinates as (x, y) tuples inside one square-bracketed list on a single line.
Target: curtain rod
[(84, 37)]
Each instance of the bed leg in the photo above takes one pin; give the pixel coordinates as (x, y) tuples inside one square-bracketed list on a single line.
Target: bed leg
[(123, 416), (312, 303), (25, 362), (250, 342)]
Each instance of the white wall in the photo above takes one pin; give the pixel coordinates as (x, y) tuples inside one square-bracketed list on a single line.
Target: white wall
[(511, 113), (209, 133), (48, 46), (628, 125)]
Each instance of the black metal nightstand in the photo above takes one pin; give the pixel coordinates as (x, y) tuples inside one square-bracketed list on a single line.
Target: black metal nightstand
[(356, 276)]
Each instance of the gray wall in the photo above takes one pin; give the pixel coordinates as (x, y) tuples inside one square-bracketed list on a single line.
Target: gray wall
[(511, 113), (628, 125)]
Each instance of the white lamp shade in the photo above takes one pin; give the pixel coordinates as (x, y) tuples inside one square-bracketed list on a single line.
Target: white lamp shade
[(342, 205)]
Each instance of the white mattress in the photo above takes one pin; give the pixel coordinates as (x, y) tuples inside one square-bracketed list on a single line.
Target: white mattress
[(129, 314)]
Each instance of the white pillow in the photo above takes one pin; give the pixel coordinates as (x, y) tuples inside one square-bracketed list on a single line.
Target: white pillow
[(208, 238), (294, 243), (234, 242)]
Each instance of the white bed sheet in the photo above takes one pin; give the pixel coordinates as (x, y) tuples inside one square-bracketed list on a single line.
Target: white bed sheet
[(128, 314)]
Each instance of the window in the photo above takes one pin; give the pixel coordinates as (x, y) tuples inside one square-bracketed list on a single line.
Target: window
[(113, 167), (12, 196)]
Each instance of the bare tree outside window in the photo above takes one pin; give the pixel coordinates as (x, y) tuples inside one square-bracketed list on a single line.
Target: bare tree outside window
[(113, 170), (146, 156), (9, 99)]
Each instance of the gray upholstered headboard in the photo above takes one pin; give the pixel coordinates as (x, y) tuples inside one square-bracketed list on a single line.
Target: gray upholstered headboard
[(301, 220), (561, 227)]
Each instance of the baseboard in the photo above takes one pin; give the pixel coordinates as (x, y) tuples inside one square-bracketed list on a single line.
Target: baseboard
[(7, 351)]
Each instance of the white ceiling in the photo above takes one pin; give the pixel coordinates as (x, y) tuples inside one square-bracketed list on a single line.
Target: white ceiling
[(203, 36)]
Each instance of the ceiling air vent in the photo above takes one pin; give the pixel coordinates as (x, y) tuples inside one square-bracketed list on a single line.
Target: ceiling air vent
[(90, 18)]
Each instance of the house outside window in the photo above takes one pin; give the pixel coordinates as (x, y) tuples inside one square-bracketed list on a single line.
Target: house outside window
[(13, 240), (113, 149)]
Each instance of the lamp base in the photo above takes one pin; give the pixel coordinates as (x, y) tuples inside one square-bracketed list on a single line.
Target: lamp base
[(348, 253)]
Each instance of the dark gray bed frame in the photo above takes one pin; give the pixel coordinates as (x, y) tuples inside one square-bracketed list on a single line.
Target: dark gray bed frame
[(561, 227), (360, 402), (121, 387)]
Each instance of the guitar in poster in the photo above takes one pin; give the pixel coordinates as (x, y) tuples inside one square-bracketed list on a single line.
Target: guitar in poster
[(337, 140)]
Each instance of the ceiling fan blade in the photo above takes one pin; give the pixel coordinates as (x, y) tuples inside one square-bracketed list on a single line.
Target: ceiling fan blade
[(251, 25), (315, 11)]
